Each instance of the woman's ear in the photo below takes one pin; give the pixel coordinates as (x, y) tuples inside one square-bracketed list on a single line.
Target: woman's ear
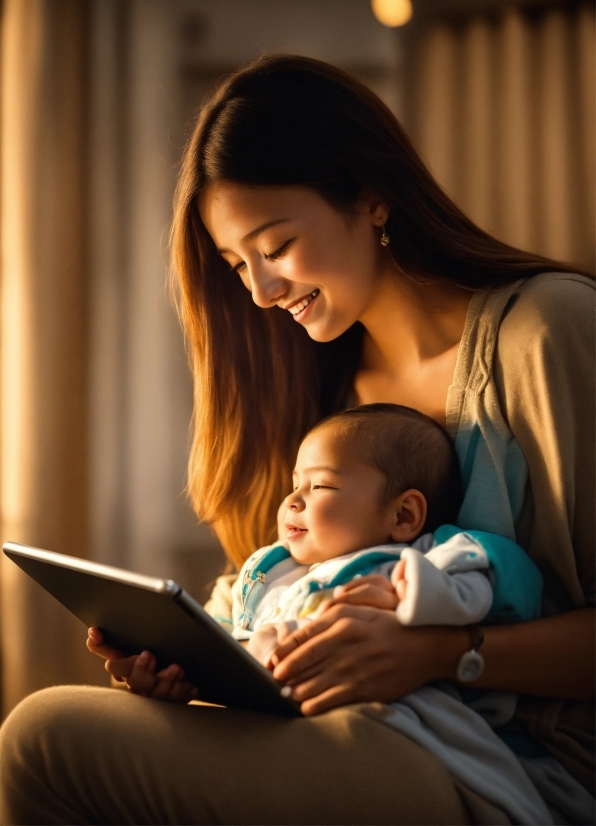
[(369, 203), (408, 513)]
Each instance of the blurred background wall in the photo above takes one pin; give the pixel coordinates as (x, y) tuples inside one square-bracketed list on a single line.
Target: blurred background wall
[(98, 98)]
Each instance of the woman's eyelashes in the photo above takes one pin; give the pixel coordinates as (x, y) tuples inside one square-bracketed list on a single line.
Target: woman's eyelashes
[(280, 251), (269, 256), (318, 486)]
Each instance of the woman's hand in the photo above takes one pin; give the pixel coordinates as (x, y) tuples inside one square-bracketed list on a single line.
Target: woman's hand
[(356, 653), (138, 672)]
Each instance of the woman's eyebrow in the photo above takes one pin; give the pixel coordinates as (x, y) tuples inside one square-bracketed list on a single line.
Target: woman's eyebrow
[(255, 232)]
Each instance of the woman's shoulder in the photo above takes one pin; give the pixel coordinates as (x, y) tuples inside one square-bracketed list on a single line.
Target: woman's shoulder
[(553, 307)]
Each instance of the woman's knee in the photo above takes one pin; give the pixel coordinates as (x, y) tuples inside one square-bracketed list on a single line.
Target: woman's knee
[(37, 740), (35, 716), (41, 720)]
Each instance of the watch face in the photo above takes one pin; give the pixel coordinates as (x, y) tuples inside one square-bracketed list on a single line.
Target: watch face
[(471, 666)]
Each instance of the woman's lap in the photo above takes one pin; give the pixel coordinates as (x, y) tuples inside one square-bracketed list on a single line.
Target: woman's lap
[(87, 755)]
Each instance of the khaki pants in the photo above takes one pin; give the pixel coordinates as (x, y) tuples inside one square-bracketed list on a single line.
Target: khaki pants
[(91, 755)]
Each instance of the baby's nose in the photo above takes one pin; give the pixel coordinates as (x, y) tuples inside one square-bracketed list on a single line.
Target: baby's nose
[(294, 502)]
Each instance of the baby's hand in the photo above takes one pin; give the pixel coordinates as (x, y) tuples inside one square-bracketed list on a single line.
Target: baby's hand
[(375, 591), (264, 642), (399, 581), (138, 672)]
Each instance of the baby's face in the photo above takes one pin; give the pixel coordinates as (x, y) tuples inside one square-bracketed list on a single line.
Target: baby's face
[(335, 507)]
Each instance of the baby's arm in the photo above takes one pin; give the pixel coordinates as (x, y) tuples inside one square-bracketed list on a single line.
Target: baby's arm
[(447, 586), (432, 595)]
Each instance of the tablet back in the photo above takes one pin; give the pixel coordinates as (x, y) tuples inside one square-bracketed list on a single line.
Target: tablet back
[(137, 613)]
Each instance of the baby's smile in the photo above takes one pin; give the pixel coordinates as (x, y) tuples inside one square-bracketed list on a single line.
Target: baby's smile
[(294, 532)]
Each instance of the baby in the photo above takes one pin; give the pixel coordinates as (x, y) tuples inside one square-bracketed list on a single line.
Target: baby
[(377, 490)]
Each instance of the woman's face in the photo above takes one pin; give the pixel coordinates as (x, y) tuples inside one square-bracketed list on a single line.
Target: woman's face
[(293, 250)]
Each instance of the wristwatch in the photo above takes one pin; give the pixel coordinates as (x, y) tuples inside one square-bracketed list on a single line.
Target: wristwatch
[(471, 664)]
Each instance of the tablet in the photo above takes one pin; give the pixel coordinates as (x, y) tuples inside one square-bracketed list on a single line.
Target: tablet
[(137, 613)]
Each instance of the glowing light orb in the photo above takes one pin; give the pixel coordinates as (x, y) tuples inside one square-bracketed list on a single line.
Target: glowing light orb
[(392, 12)]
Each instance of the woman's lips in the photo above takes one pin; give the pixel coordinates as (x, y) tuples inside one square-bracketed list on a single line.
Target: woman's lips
[(300, 309), (294, 532)]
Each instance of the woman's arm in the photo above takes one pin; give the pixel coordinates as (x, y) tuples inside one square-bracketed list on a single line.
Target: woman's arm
[(356, 653), (551, 657)]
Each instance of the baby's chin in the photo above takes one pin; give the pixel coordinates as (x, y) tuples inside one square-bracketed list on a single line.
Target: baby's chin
[(304, 555), (314, 556)]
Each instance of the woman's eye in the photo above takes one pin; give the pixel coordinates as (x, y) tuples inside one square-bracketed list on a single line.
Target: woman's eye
[(237, 267), (279, 252)]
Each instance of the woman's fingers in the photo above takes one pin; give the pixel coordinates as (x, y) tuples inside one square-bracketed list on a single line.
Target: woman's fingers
[(354, 653), (338, 695), (314, 684), (312, 644), (298, 639)]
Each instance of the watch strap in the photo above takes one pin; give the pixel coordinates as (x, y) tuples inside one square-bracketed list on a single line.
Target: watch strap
[(471, 663)]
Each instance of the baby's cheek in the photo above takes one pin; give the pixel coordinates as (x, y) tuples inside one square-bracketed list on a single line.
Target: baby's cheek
[(282, 531), (341, 533)]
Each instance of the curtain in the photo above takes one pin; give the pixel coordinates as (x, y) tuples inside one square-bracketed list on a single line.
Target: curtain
[(502, 107), (43, 338)]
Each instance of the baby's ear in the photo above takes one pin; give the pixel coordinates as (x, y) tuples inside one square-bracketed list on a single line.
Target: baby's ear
[(408, 515)]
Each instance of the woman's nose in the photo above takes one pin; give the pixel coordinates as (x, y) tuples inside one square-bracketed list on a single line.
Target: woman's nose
[(267, 289), (294, 502)]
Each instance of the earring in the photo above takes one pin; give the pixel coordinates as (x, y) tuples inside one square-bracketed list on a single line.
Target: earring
[(384, 238)]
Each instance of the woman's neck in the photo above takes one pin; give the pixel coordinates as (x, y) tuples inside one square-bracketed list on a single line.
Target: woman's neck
[(411, 322), (413, 330)]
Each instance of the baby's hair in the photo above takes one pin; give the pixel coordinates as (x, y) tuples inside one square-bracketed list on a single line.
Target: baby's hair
[(410, 449)]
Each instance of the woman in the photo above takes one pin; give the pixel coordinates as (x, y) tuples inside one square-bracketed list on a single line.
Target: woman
[(365, 284)]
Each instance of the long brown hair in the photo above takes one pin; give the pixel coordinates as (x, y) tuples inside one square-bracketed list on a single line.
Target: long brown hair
[(260, 381)]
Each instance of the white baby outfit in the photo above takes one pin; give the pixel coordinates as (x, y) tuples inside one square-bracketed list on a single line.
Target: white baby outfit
[(454, 578)]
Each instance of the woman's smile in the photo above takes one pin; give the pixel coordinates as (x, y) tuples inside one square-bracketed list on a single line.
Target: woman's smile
[(300, 308)]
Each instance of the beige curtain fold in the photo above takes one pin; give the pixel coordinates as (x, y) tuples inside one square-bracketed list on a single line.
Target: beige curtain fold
[(502, 108), (43, 339)]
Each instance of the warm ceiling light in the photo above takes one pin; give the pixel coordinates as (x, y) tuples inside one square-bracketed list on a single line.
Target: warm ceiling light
[(392, 12)]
